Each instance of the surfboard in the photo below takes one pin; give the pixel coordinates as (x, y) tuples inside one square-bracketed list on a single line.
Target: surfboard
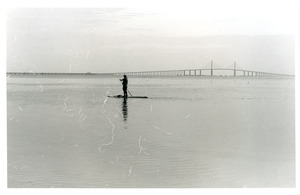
[(120, 96)]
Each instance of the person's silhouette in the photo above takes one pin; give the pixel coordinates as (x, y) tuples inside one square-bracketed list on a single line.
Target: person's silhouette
[(124, 83)]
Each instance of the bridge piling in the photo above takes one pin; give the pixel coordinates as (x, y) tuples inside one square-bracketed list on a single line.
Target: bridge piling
[(211, 68), (234, 69)]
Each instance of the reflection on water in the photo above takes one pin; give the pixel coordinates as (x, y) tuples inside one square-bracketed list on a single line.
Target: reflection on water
[(125, 109)]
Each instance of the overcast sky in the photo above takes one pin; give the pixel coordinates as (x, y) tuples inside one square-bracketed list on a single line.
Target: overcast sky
[(257, 34)]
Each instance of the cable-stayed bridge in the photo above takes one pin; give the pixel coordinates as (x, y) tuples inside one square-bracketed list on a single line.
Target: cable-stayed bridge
[(211, 71), (206, 71)]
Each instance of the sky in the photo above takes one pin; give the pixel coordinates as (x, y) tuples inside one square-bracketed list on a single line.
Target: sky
[(153, 35)]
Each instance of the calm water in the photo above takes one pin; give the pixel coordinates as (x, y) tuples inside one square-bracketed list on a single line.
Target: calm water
[(220, 132)]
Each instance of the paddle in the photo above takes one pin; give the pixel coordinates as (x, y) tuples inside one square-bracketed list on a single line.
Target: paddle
[(129, 93)]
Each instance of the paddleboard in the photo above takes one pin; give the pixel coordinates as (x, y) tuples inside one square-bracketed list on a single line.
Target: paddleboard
[(120, 96)]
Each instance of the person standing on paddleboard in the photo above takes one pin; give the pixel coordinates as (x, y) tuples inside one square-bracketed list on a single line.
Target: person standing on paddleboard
[(124, 83)]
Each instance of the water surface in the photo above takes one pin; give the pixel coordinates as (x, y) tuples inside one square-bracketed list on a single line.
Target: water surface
[(190, 132)]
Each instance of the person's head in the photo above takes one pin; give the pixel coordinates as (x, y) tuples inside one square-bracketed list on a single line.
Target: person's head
[(125, 76)]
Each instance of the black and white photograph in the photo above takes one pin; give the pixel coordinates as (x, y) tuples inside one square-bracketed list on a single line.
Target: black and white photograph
[(152, 94)]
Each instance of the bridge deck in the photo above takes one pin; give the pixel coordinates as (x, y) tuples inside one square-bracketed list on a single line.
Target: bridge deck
[(185, 72)]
